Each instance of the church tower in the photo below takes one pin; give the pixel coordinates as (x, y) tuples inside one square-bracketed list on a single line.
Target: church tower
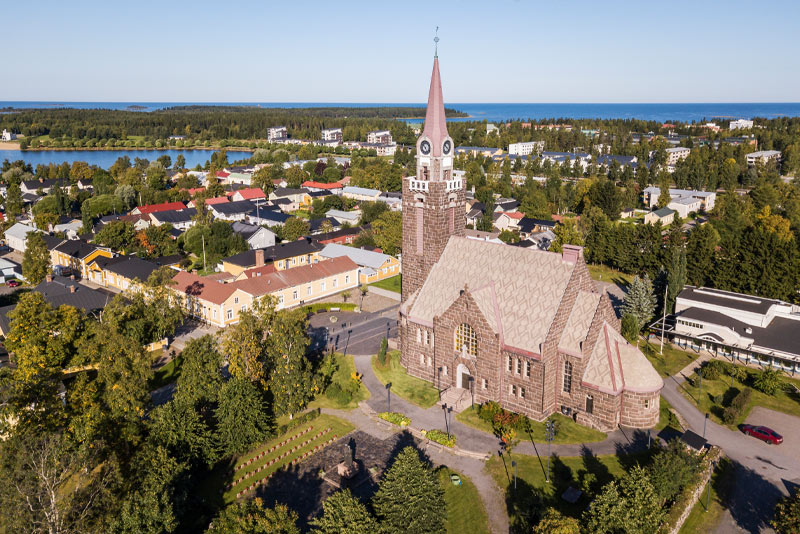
[(433, 200)]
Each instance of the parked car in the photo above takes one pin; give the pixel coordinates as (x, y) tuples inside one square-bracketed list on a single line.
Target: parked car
[(12, 283), (763, 433)]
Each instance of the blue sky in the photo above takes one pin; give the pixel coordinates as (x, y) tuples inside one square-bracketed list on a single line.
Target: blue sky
[(495, 51)]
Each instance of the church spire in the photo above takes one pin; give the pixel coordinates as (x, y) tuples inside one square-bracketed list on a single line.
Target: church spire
[(435, 123)]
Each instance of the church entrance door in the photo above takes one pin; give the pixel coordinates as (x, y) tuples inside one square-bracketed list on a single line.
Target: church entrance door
[(465, 380), (462, 376)]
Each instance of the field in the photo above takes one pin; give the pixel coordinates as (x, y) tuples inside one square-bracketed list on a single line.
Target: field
[(607, 274), (389, 284), (465, 512), (569, 431), (669, 363), (404, 385)]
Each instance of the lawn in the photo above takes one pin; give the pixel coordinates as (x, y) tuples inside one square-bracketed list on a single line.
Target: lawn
[(167, 374), (718, 390), (390, 284), (722, 482), (607, 274), (333, 425), (342, 376), (669, 363), (566, 472), (465, 512), (410, 388), (569, 431), (666, 418)]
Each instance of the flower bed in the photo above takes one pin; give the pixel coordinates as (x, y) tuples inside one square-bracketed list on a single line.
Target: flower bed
[(395, 418), (440, 437)]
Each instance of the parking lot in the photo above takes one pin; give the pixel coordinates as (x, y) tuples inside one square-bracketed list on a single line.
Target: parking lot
[(786, 425)]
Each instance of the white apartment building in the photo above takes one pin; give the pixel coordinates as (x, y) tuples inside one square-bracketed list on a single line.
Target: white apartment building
[(332, 134), (741, 124), (8, 136), (277, 133), (526, 148), (676, 154), (706, 199), (383, 137), (763, 156)]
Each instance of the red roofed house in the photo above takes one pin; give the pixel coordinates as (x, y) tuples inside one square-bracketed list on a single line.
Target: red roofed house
[(222, 175), (251, 193), (155, 208), (220, 303), (335, 187), (508, 220)]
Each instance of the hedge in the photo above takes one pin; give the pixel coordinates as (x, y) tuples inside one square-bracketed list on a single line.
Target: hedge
[(737, 407), (395, 418), (326, 306), (297, 421), (441, 438)]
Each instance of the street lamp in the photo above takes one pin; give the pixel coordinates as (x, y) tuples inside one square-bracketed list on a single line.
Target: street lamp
[(389, 397), (711, 467), (514, 465), (472, 389), (700, 386), (549, 435), (440, 379), (704, 425), (446, 424)]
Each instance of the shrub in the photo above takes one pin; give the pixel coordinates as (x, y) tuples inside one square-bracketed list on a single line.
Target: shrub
[(337, 394), (395, 418), (768, 381), (488, 410), (382, 352), (713, 369), (738, 372), (441, 438), (737, 407)]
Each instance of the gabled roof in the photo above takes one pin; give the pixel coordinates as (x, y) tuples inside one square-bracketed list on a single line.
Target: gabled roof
[(175, 216), (277, 252), (352, 190), (663, 212), (269, 215), (155, 208), (20, 231), (60, 291), (129, 267), (364, 258), (217, 200), (247, 230), (200, 287), (233, 208), (251, 193), (76, 248), (321, 185), (287, 191)]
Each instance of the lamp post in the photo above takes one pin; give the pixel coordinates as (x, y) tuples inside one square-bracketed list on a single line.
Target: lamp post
[(710, 474), (700, 386), (389, 397), (704, 425), (549, 436), (514, 465), (446, 424), (472, 390), (440, 379)]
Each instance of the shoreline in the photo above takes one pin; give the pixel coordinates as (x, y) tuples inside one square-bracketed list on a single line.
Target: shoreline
[(111, 149), (9, 145)]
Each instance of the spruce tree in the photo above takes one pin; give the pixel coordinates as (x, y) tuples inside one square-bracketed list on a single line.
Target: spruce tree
[(410, 499), (676, 278), (344, 514), (640, 301)]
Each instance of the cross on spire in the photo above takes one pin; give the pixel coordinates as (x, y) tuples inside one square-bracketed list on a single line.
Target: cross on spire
[(436, 40)]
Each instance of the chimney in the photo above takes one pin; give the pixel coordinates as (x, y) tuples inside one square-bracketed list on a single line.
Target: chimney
[(72, 277), (259, 257), (49, 277), (571, 253), (72, 288)]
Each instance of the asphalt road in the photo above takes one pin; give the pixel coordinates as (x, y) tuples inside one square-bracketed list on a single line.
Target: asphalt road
[(353, 333)]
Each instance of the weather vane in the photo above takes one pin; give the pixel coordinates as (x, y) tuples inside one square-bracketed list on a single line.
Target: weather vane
[(436, 40)]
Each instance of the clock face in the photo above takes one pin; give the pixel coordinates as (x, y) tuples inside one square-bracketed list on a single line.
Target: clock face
[(447, 146), (425, 147)]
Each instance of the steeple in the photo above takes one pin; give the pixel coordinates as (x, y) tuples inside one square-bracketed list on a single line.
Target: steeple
[(435, 123)]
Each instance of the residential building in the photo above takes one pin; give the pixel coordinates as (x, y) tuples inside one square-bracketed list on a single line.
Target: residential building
[(737, 326), (508, 220), (256, 236), (361, 193), (526, 148), (607, 160), (381, 149), (741, 124), (45, 186), (120, 272), (664, 215), (17, 236), (232, 211), (521, 327), (345, 236), (267, 217), (383, 137), (155, 208), (676, 154), (77, 255), (10, 270), (284, 255), (475, 151), (332, 134), (344, 217), (707, 198), (373, 266), (684, 206), (7, 136), (277, 134), (763, 157), (528, 226), (255, 194), (180, 219), (297, 198), (580, 158)]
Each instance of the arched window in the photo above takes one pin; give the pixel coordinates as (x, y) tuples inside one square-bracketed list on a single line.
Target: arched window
[(589, 404), (567, 377), (466, 340)]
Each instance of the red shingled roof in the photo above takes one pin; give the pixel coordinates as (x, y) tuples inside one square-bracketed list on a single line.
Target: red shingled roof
[(202, 287), (217, 200), (223, 174), (155, 208), (250, 193), (320, 185)]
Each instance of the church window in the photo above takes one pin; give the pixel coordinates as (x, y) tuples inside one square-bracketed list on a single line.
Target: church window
[(513, 390), (419, 335), (567, 377), (485, 383), (521, 393), (646, 404), (451, 220), (589, 404), (430, 361), (426, 337), (419, 230), (421, 359), (528, 369), (466, 340), (519, 366), (510, 362)]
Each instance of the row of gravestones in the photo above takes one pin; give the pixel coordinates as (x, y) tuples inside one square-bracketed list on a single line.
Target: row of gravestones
[(281, 457), (303, 456), (273, 448)]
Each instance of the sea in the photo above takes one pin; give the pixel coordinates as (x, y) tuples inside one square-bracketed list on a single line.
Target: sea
[(106, 158), (497, 112)]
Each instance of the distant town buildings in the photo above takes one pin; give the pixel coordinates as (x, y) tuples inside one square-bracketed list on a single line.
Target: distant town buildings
[(332, 134), (706, 198), (277, 134), (741, 124), (380, 136), (676, 154), (7, 136), (665, 216), (763, 157), (526, 148)]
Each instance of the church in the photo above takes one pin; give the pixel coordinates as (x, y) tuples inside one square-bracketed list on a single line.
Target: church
[(525, 328)]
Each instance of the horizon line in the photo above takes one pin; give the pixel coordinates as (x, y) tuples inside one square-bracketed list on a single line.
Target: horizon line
[(383, 103)]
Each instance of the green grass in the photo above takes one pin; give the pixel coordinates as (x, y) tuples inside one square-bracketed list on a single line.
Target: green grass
[(390, 284), (339, 427), (669, 363), (465, 511), (342, 376), (565, 472), (303, 214), (665, 417), (410, 388), (607, 274), (569, 431), (783, 401), (722, 482), (167, 374)]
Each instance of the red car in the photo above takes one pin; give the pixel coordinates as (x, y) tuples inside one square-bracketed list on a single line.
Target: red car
[(12, 283), (763, 433)]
